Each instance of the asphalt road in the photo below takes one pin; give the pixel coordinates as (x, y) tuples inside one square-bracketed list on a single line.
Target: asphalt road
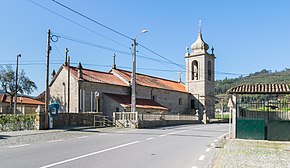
[(187, 146)]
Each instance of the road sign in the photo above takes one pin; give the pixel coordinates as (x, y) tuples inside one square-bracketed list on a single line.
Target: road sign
[(53, 109)]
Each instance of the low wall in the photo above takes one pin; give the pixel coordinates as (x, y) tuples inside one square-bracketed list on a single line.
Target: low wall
[(74, 120), (165, 123)]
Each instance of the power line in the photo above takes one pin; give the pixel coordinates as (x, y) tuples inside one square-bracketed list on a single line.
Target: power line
[(84, 16), (74, 22)]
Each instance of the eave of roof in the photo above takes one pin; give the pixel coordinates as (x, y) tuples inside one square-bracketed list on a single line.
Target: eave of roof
[(260, 89)]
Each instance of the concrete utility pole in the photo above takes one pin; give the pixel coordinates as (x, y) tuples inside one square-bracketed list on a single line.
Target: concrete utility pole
[(68, 80), (133, 84), (48, 49), (16, 84)]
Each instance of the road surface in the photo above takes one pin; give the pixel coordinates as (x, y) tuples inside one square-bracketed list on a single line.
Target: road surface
[(187, 146)]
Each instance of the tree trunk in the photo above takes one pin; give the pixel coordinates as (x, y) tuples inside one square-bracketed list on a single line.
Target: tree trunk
[(11, 103)]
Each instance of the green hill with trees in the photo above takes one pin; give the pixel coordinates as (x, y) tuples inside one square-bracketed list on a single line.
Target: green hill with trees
[(263, 76)]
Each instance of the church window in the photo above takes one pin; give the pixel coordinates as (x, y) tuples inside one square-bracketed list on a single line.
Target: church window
[(194, 70), (180, 101), (209, 71), (192, 104)]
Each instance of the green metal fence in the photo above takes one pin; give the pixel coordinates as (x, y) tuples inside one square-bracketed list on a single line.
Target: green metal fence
[(263, 121)]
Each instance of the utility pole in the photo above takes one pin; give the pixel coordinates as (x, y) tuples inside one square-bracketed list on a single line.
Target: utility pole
[(68, 79), (16, 84), (48, 49), (133, 83)]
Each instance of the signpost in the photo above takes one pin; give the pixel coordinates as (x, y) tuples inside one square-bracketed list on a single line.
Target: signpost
[(53, 112)]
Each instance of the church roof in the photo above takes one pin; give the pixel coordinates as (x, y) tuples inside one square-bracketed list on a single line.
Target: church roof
[(125, 101), (97, 76), (150, 81)]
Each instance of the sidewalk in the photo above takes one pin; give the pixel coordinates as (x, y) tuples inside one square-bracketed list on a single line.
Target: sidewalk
[(239, 153), (37, 136)]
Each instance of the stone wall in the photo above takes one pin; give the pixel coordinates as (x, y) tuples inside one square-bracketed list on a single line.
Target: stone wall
[(74, 120)]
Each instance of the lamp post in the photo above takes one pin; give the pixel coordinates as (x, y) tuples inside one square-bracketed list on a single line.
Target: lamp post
[(133, 83), (16, 83)]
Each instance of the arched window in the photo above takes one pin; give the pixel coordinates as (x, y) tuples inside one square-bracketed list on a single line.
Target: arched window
[(194, 70), (209, 71)]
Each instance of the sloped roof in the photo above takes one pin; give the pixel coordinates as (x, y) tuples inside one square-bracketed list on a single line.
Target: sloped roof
[(125, 100), (261, 89), (97, 76), (150, 81), (25, 100)]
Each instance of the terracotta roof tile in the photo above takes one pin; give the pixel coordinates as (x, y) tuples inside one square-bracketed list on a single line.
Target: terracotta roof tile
[(98, 77), (125, 100), (150, 81), (25, 100), (260, 88)]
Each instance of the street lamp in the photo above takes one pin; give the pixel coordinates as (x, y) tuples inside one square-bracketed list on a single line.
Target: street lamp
[(133, 83), (16, 83)]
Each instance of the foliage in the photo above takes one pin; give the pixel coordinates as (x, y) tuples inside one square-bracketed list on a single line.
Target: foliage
[(10, 122), (7, 81), (263, 76)]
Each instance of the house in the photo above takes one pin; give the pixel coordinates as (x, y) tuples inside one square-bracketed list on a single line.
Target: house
[(25, 104), (108, 92)]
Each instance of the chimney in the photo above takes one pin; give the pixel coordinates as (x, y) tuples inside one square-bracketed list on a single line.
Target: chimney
[(53, 74), (80, 72), (114, 61), (179, 76)]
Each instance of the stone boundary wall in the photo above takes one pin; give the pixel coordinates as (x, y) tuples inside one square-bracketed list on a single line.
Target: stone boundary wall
[(74, 119)]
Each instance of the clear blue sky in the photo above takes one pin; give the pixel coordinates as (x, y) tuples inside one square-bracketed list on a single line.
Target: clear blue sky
[(248, 35)]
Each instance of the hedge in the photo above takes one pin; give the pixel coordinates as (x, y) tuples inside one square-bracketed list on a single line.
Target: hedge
[(10, 122)]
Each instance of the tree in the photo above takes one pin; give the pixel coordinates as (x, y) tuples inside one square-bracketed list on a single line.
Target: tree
[(7, 81)]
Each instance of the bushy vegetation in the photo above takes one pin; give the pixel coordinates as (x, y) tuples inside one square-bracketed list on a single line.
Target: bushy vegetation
[(11, 122)]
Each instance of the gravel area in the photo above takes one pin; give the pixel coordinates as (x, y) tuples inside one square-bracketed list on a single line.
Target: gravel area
[(252, 154), (38, 136)]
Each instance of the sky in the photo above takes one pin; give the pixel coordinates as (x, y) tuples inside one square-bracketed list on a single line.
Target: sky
[(248, 35)]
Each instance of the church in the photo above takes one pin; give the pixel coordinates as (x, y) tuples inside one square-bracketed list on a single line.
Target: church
[(80, 90)]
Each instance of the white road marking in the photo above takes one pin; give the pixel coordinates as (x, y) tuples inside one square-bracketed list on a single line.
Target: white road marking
[(89, 154), (103, 133), (222, 135), (212, 144), (207, 150), (172, 133), (193, 167), (17, 146), (201, 157), (82, 137), (149, 138), (215, 140), (58, 140)]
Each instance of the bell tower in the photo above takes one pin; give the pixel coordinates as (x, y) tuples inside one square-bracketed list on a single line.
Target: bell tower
[(200, 76)]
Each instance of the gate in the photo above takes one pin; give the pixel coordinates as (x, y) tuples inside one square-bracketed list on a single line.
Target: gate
[(263, 120)]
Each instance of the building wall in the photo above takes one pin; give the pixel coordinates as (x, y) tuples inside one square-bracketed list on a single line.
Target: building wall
[(88, 90), (59, 91), (167, 98)]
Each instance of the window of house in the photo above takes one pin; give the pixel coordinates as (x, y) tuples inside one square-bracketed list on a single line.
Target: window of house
[(180, 101), (117, 109), (192, 104), (194, 70), (153, 98)]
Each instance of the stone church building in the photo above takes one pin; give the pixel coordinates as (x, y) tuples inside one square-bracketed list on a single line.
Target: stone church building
[(108, 92)]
